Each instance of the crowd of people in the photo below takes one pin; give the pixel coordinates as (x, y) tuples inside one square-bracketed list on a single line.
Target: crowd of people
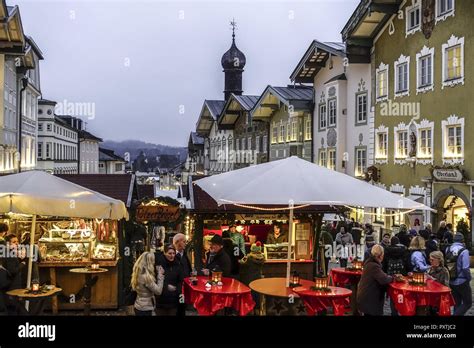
[(442, 256), (158, 276)]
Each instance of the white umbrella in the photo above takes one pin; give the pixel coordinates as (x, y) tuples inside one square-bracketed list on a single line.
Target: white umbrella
[(39, 193), (294, 182)]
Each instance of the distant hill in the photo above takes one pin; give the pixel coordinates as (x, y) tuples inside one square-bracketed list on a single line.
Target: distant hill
[(135, 147)]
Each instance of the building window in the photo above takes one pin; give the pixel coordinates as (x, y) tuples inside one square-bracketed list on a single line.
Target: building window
[(288, 131), (453, 140), (402, 84), (413, 18), (361, 108), (48, 150), (48, 127), (40, 150), (332, 159), (118, 167), (322, 117), (40, 127), (308, 129), (264, 144), (382, 82), (294, 130), (382, 145), (275, 135), (360, 161), (425, 70), (453, 62), (444, 9), (322, 160), (249, 143), (332, 106), (425, 149), (257, 143), (401, 144), (282, 133)]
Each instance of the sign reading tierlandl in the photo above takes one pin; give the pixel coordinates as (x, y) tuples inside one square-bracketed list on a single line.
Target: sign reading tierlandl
[(441, 174)]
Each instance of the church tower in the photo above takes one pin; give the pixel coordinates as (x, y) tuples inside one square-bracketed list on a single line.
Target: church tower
[(233, 62)]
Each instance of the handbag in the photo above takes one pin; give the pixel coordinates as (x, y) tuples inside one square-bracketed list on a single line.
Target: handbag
[(130, 296)]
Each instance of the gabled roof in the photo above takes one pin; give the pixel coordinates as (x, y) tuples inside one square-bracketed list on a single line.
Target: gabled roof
[(118, 186), (86, 135), (315, 59), (233, 107), (12, 38), (299, 97), (31, 44), (363, 26), (109, 155), (211, 109), (59, 119)]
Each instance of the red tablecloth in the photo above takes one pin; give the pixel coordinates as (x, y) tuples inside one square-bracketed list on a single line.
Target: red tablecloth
[(407, 297), (317, 301), (342, 277), (232, 294)]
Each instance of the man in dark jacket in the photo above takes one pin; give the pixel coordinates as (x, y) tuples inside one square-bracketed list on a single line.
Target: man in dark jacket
[(396, 258), (179, 242), (218, 258), (371, 287)]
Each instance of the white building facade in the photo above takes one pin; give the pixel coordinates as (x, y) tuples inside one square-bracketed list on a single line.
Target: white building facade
[(57, 142)]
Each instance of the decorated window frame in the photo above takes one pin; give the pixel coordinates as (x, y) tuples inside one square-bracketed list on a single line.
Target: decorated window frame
[(402, 61), (322, 116), (330, 158), (322, 158), (452, 43), (360, 163), (381, 158), (442, 16), (332, 101), (450, 158), (420, 56), (308, 128), (412, 29), (423, 158), (382, 71), (402, 128), (358, 111)]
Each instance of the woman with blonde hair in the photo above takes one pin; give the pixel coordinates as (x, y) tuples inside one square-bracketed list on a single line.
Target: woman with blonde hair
[(438, 271), (417, 258), (146, 283)]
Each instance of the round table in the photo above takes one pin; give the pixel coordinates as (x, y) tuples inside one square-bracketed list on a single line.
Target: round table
[(343, 277), (274, 287), (320, 301), (209, 300), (88, 272), (407, 298), (24, 294)]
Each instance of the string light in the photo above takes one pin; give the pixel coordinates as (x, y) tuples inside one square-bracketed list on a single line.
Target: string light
[(383, 214), (269, 209)]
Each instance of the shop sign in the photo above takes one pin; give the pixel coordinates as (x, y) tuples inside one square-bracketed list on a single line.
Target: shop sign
[(261, 217), (451, 174), (157, 213)]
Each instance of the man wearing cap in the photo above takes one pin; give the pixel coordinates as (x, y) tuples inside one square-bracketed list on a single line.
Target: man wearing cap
[(457, 258), (217, 258)]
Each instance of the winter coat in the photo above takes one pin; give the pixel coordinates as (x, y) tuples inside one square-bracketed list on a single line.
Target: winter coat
[(441, 232), (371, 288), (463, 270), (344, 238), (251, 267), (220, 260), (146, 293), (185, 263), (418, 261), (404, 238), (431, 245), (173, 276), (282, 238), (238, 240), (440, 274), (326, 238), (230, 248), (448, 237), (4, 284), (396, 254)]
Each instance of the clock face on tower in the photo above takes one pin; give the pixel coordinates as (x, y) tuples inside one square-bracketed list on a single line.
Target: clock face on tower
[(331, 137)]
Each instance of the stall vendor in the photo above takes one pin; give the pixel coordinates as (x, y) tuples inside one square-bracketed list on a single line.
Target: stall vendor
[(217, 258), (277, 236)]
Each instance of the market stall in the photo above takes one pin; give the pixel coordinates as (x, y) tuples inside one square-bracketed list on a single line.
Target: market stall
[(294, 186), (70, 226)]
